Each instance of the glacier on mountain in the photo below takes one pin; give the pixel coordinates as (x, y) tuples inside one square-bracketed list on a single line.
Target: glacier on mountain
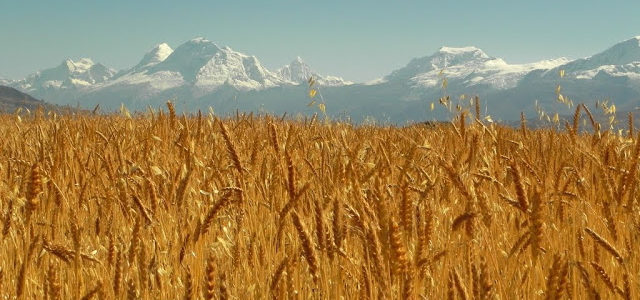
[(199, 74), (155, 56), (68, 75), (614, 60), (469, 66), (4, 81), (298, 72), (200, 67)]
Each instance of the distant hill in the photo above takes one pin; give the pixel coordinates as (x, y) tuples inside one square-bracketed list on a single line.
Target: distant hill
[(11, 99)]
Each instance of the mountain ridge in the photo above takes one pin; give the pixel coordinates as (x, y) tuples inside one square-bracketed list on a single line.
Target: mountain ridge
[(200, 74), (12, 99)]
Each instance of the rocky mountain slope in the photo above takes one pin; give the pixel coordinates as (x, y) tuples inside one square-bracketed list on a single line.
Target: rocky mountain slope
[(12, 99)]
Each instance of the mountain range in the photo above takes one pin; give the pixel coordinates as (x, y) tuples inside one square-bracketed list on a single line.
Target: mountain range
[(200, 74)]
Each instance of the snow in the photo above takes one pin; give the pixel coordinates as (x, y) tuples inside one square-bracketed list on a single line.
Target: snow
[(622, 53), (79, 82), (476, 79), (156, 55), (549, 63), (70, 74), (163, 51), (205, 66), (298, 72), (469, 66), (238, 70), (52, 84), (446, 58), (376, 81), (199, 63), (462, 51), (155, 82), (334, 81), (189, 58), (201, 66), (631, 70), (4, 81), (82, 65)]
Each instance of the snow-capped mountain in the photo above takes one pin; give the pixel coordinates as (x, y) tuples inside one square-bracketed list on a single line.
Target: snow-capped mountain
[(69, 75), (299, 72), (612, 74), (196, 69), (466, 67), (199, 74), (621, 58), (155, 56), (141, 79), (204, 67), (508, 89)]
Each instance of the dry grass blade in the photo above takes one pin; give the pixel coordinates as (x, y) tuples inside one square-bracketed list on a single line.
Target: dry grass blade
[(307, 247), (462, 290), (224, 201), (523, 201), (605, 244), (93, 292), (461, 219), (231, 148), (7, 219), (606, 278), (278, 273), (143, 209)]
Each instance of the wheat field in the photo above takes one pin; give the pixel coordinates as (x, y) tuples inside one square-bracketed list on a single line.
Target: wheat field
[(159, 206)]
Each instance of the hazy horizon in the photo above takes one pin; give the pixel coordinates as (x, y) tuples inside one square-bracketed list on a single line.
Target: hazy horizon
[(359, 41)]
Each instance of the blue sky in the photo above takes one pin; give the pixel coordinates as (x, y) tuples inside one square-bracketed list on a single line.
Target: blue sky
[(358, 40)]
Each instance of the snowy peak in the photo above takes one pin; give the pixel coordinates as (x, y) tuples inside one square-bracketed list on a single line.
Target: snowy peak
[(161, 52), (207, 66), (198, 48), (204, 67), (189, 58), (235, 69), (461, 54), (468, 58), (199, 69), (156, 55), (623, 55), (461, 50), (299, 72), (466, 67), (451, 56), (80, 66), (69, 74), (299, 63), (153, 57), (548, 63), (84, 67), (201, 64)]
